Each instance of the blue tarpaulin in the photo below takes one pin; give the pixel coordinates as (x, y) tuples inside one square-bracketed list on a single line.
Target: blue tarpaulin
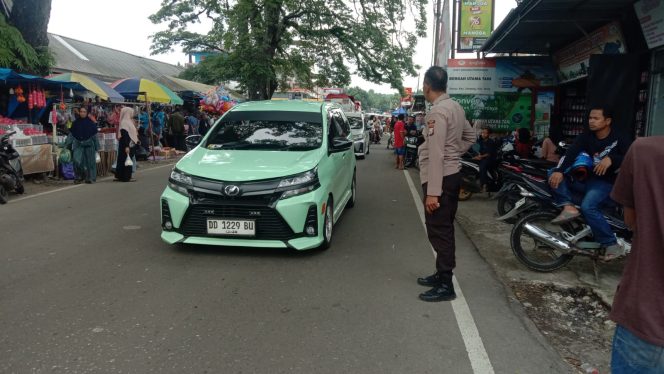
[(10, 77), (399, 111)]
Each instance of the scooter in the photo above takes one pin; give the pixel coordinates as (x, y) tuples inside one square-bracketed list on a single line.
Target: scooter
[(413, 140), (11, 171)]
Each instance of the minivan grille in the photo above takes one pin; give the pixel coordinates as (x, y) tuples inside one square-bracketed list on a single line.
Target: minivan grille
[(269, 223)]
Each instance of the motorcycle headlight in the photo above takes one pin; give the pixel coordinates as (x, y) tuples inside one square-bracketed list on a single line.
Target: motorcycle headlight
[(179, 182), (299, 184)]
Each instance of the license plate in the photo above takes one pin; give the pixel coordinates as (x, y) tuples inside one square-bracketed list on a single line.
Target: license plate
[(520, 203), (231, 227)]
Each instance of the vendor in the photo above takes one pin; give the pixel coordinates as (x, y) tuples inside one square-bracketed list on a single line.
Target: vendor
[(84, 145)]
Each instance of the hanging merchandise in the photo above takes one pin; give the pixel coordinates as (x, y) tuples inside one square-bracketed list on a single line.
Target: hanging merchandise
[(217, 101)]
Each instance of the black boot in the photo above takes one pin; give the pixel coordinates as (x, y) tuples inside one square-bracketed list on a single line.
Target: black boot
[(430, 281), (443, 292)]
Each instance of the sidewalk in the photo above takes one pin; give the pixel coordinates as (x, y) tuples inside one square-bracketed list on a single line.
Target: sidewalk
[(35, 184), (568, 305)]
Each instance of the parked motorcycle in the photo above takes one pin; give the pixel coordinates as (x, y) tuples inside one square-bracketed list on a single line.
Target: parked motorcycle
[(11, 171)]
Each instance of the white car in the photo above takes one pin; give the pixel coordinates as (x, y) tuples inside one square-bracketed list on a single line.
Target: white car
[(360, 128)]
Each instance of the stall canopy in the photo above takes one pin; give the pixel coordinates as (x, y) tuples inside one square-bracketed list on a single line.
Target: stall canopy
[(94, 85), (545, 26), (146, 90), (401, 110), (10, 77)]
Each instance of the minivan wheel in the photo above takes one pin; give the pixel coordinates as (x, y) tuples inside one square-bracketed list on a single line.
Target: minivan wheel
[(328, 225), (353, 192)]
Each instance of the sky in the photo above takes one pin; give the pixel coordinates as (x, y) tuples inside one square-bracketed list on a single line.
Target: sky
[(123, 25)]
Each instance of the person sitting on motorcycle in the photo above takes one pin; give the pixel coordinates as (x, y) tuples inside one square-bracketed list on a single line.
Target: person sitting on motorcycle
[(411, 128), (607, 149), (375, 129), (488, 152)]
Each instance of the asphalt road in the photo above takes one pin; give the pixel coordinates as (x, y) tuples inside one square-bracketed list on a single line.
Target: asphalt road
[(87, 286)]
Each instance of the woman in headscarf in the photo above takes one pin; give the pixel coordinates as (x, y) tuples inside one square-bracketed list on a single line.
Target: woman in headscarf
[(128, 141), (84, 144)]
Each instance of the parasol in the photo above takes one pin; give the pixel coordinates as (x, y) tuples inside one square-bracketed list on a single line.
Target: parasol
[(146, 90)]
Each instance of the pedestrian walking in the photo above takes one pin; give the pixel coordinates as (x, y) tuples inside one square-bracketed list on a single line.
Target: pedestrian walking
[(127, 146), (638, 307), (448, 135), (399, 142), (177, 129), (84, 145)]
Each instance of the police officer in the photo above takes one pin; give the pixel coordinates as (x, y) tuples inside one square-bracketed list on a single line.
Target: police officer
[(448, 135)]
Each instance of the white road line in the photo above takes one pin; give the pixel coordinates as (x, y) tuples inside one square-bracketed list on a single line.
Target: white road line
[(477, 355), (78, 185)]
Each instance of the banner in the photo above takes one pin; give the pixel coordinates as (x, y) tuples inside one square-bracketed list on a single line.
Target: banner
[(651, 17), (498, 93), (444, 34), (475, 24), (573, 61)]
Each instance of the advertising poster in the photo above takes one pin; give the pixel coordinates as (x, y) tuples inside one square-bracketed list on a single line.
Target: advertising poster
[(651, 17), (475, 24), (573, 61), (498, 93)]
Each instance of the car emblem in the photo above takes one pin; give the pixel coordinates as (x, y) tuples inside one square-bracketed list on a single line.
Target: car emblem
[(232, 190)]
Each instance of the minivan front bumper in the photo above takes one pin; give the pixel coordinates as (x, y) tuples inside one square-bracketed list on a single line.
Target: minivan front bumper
[(279, 223)]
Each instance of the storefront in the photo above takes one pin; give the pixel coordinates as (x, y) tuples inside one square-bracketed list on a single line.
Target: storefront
[(599, 54)]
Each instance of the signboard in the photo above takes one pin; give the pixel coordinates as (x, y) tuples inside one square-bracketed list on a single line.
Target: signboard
[(475, 24), (651, 17), (573, 61), (498, 93)]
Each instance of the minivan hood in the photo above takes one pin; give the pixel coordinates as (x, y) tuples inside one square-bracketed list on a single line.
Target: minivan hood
[(243, 165)]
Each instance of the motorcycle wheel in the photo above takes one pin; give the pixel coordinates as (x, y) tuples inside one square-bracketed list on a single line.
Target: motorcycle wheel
[(506, 203), (464, 194), (4, 196), (533, 253)]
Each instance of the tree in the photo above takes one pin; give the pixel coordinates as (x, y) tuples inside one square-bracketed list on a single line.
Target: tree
[(24, 42), (31, 18), (17, 54), (314, 42), (370, 99)]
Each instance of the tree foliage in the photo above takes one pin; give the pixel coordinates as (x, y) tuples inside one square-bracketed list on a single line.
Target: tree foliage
[(266, 43), (373, 100), (17, 54)]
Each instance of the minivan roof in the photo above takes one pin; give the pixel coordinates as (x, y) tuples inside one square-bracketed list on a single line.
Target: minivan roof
[(282, 105)]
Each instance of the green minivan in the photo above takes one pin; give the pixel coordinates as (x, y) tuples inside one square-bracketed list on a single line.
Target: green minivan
[(267, 174)]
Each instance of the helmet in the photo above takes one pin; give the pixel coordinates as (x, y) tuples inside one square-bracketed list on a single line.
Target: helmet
[(581, 167)]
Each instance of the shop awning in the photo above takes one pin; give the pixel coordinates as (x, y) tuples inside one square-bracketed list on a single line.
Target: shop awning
[(545, 26), (10, 77)]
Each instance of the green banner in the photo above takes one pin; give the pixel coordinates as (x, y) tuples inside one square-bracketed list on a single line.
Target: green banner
[(502, 111), (475, 24)]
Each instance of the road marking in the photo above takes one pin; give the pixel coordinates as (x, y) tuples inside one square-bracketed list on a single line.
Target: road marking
[(79, 185), (477, 355)]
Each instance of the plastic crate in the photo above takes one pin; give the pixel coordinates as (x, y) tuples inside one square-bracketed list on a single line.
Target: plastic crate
[(39, 139), (21, 142)]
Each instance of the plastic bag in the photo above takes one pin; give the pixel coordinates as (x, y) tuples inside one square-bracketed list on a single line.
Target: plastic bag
[(97, 158), (128, 162), (67, 170), (65, 156)]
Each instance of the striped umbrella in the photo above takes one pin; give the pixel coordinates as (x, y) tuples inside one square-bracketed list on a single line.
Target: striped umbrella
[(94, 85), (146, 90)]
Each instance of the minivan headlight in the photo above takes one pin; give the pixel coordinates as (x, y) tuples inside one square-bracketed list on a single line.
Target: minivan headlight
[(179, 182), (358, 137), (299, 184)]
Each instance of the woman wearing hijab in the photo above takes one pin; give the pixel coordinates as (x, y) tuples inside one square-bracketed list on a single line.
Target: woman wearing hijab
[(128, 141), (84, 144)]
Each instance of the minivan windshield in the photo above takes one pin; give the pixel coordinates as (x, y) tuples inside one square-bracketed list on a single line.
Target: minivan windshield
[(267, 130), (355, 123)]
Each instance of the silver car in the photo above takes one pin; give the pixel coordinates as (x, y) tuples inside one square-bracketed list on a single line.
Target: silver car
[(360, 128)]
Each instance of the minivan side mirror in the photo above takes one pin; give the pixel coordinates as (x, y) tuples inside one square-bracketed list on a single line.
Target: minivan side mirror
[(340, 145), (192, 141)]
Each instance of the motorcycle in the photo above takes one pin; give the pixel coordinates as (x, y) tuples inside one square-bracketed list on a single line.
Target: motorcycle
[(545, 247), (470, 177), (375, 135), (11, 171), (413, 141)]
